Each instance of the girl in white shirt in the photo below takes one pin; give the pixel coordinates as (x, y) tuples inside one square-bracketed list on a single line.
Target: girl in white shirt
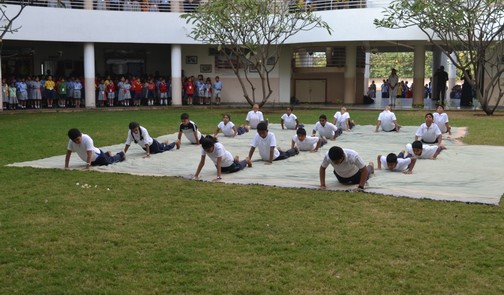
[(223, 159)]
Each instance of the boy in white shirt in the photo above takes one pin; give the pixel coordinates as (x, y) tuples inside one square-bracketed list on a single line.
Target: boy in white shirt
[(326, 129), (396, 163), (254, 117), (189, 129), (342, 120), (441, 120), (266, 143), (349, 167), (428, 131), (83, 145), (140, 136), (421, 151), (289, 120), (387, 120), (306, 143)]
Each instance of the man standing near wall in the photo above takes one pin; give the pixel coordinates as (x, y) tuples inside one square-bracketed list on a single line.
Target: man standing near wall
[(440, 78)]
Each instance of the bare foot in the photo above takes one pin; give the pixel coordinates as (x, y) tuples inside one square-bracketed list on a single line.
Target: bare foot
[(109, 153), (237, 159), (249, 162), (165, 142), (372, 167), (177, 143)]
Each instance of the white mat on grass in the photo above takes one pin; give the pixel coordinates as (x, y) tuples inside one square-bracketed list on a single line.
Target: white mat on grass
[(465, 173)]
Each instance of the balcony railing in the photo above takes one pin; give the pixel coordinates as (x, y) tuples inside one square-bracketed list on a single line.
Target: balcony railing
[(179, 5)]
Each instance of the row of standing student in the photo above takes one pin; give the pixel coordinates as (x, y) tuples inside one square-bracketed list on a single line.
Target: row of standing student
[(349, 168)]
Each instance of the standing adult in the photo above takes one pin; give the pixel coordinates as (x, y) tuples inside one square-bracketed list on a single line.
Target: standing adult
[(466, 99), (393, 81), (440, 78)]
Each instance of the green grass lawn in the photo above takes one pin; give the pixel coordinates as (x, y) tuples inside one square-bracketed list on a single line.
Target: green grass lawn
[(162, 235)]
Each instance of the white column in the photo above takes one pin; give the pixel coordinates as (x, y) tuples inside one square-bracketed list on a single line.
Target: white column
[(366, 72), (418, 74), (350, 73), (176, 74), (89, 75), (88, 4), (452, 72), (284, 71)]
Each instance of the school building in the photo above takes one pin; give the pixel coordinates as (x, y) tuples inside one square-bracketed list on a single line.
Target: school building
[(115, 37)]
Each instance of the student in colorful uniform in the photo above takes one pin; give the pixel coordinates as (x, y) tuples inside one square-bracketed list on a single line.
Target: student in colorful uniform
[(228, 128), (266, 143), (217, 86), (289, 120), (50, 92), (189, 129), (140, 136), (223, 159), (83, 145)]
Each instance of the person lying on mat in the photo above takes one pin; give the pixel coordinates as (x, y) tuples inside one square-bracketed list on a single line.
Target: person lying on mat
[(349, 167), (140, 135), (306, 143), (223, 159), (397, 163), (325, 129), (83, 145), (423, 151)]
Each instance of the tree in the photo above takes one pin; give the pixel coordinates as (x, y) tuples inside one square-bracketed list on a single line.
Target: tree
[(7, 21), (474, 27), (250, 33)]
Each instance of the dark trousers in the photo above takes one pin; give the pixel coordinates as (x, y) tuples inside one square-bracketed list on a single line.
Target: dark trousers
[(236, 166), (284, 155), (105, 159), (158, 147), (354, 179)]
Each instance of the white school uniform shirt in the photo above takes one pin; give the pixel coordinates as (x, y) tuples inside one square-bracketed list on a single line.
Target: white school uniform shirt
[(254, 118), (341, 120), (264, 145), (141, 142), (387, 119), (308, 144), (402, 164), (327, 130), (349, 167), (428, 134), (227, 129), (188, 131), (428, 151), (219, 151), (289, 121), (82, 148), (441, 120)]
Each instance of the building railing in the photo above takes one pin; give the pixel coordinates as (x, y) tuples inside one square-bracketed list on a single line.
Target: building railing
[(177, 5)]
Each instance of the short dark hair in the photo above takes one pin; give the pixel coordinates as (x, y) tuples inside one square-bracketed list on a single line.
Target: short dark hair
[(429, 114), (322, 117), (301, 131), (262, 126), (184, 116), (227, 115), (208, 142), (74, 133), (417, 144), (133, 125), (391, 158), (336, 153)]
